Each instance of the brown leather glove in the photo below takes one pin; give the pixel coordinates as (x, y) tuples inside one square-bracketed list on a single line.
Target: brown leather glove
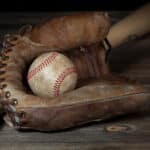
[(99, 94)]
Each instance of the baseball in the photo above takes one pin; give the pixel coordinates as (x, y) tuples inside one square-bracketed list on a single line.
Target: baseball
[(52, 74)]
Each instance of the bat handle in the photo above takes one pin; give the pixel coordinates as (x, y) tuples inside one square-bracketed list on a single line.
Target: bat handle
[(133, 26)]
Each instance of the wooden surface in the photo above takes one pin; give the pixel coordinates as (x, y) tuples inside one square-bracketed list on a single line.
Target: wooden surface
[(126, 132)]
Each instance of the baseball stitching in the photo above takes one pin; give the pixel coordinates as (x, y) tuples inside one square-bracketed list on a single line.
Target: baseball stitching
[(61, 78), (44, 64)]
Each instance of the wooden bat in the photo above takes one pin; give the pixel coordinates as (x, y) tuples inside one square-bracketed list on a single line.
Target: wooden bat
[(131, 27)]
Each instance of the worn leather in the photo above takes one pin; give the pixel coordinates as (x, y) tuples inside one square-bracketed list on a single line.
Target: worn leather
[(99, 94), (71, 31)]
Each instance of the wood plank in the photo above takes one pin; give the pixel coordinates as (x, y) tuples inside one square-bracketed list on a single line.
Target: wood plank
[(75, 146), (136, 135), (13, 18)]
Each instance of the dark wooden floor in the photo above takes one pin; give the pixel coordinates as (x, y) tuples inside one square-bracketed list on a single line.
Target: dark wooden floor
[(126, 132)]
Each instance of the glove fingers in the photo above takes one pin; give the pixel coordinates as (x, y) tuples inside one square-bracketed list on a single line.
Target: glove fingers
[(68, 116), (72, 31), (70, 110)]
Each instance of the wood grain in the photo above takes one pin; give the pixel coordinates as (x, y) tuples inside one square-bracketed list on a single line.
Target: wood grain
[(133, 130)]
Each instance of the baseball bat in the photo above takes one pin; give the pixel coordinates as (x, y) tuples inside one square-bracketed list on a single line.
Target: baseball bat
[(131, 27)]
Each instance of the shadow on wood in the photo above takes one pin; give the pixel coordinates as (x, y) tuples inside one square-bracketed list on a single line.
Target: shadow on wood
[(136, 52), (1, 122)]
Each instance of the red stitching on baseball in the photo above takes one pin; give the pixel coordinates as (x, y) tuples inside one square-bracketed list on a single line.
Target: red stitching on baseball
[(44, 64), (61, 78)]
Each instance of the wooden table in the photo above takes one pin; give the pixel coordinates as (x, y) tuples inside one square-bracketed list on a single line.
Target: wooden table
[(125, 132)]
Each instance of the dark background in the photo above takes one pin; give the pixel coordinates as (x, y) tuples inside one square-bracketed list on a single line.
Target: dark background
[(69, 5)]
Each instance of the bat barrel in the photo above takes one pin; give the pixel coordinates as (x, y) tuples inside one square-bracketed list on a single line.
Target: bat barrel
[(133, 26)]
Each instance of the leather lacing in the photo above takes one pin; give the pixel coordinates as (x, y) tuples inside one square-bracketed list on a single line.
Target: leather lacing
[(5, 96)]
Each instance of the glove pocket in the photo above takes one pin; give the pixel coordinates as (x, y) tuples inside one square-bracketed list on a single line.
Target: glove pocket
[(89, 103)]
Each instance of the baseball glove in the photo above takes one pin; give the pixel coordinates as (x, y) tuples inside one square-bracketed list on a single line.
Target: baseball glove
[(99, 93)]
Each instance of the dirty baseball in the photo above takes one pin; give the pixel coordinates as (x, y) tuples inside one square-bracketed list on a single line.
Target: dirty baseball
[(52, 74)]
